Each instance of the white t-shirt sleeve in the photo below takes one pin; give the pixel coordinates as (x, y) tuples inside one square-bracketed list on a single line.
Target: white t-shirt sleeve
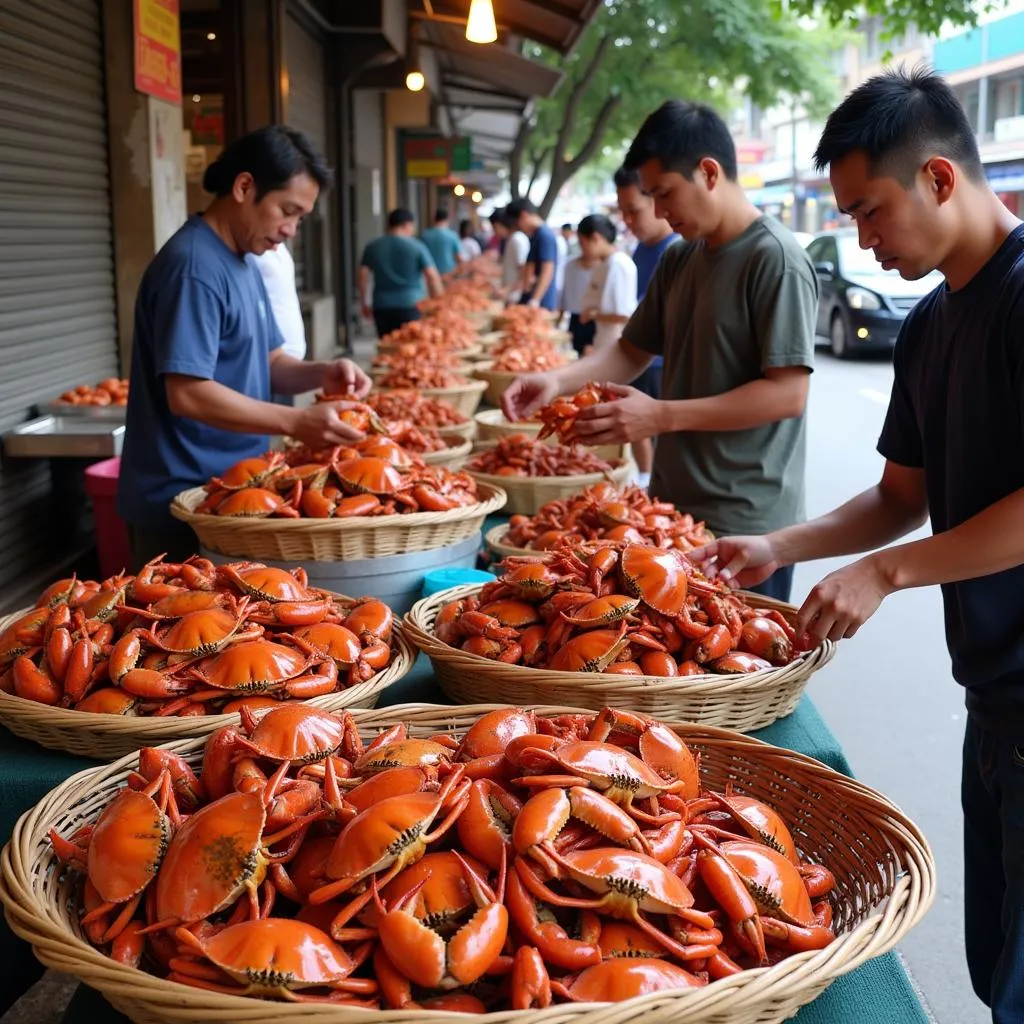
[(619, 296), (277, 268), (521, 247)]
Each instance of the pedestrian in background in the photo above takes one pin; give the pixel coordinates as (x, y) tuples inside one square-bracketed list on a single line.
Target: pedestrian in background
[(572, 245), (469, 245), (515, 249), (653, 236), (610, 297), (398, 266), (733, 309), (537, 283), (904, 163), (277, 268), (444, 245), (574, 288)]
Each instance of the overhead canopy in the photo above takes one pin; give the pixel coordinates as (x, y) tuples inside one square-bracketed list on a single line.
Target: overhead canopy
[(555, 23), (486, 91)]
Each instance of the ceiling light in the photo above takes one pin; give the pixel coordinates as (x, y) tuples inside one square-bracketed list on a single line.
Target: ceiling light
[(459, 190), (477, 197), (414, 81), (196, 98), (480, 27), (211, 36)]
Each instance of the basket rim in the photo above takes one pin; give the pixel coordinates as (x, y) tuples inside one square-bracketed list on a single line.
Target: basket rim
[(493, 539), (887, 920), (419, 625), (623, 465), (459, 389), (183, 503), (169, 729), (450, 451)]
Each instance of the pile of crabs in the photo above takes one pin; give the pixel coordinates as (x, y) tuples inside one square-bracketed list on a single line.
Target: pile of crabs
[(191, 639), (627, 609), (519, 455), (603, 512), (372, 477), (535, 859)]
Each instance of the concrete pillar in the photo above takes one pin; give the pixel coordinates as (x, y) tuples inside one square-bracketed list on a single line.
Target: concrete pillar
[(147, 168)]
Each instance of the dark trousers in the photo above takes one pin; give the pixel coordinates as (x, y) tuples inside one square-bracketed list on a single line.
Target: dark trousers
[(778, 585), (582, 334), (992, 795), (388, 320), (177, 541)]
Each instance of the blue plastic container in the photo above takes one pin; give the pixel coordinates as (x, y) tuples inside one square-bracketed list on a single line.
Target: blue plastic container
[(442, 579)]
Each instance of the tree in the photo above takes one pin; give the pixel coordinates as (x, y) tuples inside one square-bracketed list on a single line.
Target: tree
[(637, 53)]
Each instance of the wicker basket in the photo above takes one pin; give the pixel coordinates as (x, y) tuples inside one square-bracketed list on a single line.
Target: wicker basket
[(885, 883), (494, 538), (451, 457), (464, 367), (335, 540), (745, 702), (501, 320), (527, 494), (461, 431), (109, 736), (492, 426), (465, 397), (390, 348), (494, 338)]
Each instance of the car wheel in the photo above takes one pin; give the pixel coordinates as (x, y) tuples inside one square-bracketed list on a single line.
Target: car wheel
[(838, 341)]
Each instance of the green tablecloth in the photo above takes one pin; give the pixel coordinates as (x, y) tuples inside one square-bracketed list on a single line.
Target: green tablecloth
[(880, 991)]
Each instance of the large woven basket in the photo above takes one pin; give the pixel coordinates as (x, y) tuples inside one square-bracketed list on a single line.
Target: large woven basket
[(109, 736), (494, 538), (745, 702), (451, 457), (463, 367), (463, 431), (493, 338), (492, 426), (501, 320), (471, 352), (885, 883), (334, 540), (465, 397), (527, 494)]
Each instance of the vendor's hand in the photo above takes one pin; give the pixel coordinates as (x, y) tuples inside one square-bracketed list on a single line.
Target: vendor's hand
[(534, 303), (737, 561), (320, 426), (586, 316), (526, 394), (632, 417), (343, 377), (843, 601), (366, 312)]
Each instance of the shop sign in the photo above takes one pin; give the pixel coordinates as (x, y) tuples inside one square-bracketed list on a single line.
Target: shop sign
[(426, 156), (158, 49), (462, 154)]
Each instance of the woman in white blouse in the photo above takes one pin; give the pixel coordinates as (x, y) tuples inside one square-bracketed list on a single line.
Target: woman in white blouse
[(610, 297)]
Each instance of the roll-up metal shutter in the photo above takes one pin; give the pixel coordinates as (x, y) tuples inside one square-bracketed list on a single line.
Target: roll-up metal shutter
[(306, 110), (57, 306)]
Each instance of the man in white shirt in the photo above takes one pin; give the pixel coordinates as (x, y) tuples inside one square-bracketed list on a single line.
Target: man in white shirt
[(610, 297), (515, 249), (574, 289), (277, 268)]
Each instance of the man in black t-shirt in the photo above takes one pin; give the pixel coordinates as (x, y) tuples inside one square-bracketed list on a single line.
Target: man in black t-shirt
[(904, 164)]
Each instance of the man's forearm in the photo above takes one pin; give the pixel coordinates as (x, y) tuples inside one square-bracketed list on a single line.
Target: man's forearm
[(227, 409), (991, 541), (291, 376), (544, 279), (871, 520), (750, 405), (620, 363), (364, 286)]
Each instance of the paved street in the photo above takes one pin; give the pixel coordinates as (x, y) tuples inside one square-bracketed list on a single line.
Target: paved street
[(888, 695)]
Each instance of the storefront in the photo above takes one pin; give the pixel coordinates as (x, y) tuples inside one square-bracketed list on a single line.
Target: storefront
[(1007, 181), (57, 289)]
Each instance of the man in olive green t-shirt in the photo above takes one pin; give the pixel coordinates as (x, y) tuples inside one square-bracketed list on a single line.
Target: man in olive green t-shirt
[(732, 309)]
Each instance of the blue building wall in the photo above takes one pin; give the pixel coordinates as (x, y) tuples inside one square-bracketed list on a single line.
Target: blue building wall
[(994, 41)]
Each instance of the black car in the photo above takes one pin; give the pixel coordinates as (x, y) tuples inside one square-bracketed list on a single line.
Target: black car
[(860, 307)]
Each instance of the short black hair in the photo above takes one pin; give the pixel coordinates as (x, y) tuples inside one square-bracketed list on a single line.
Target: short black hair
[(567, 227), (679, 135), (518, 207), (597, 224), (499, 217), (625, 177), (442, 214), (465, 228), (400, 216), (898, 119), (273, 156)]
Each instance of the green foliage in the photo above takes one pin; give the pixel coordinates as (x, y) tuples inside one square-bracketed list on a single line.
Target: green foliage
[(897, 15), (638, 53)]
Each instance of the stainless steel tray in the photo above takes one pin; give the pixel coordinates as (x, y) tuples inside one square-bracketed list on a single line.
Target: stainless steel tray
[(106, 413), (65, 436)]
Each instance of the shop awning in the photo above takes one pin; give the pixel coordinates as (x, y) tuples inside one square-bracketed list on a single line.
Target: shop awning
[(555, 23)]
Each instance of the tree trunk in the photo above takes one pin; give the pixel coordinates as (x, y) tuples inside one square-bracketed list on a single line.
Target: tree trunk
[(538, 162), (515, 158)]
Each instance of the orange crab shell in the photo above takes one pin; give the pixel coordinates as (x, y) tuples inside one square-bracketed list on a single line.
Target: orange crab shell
[(127, 846), (623, 978), (294, 732)]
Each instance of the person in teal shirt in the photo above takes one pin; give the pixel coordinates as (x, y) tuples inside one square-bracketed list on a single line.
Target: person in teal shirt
[(444, 244), (398, 265)]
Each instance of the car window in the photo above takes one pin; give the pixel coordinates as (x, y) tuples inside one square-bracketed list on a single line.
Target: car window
[(857, 260), (829, 253), (814, 250)]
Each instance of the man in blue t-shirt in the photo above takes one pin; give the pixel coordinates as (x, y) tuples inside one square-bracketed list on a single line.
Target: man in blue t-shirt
[(444, 244), (653, 236), (398, 265), (538, 283), (206, 352), (904, 163)]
